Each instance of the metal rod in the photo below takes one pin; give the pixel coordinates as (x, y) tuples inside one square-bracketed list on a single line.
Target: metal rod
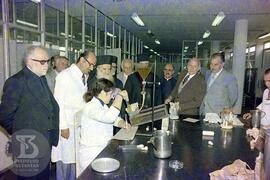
[(154, 93)]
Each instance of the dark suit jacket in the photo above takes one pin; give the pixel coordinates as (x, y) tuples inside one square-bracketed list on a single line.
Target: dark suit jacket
[(166, 87), (24, 106), (134, 87), (191, 96)]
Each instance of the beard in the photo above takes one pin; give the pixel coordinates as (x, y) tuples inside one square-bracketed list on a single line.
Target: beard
[(105, 76)]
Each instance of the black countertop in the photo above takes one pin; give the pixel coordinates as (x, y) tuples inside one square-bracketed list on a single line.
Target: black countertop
[(189, 147)]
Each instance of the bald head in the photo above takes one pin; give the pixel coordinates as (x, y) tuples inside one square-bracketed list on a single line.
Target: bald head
[(36, 59), (86, 61), (193, 66)]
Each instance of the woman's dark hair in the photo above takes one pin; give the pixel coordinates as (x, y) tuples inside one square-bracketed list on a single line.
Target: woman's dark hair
[(267, 71), (99, 85)]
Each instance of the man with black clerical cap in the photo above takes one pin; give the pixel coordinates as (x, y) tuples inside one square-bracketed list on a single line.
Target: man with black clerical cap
[(103, 70), (134, 85)]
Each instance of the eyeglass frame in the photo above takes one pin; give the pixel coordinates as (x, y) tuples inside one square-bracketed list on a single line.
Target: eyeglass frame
[(42, 62), (90, 64)]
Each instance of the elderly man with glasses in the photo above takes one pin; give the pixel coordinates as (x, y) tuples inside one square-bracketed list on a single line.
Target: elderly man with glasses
[(70, 87), (27, 103), (189, 89)]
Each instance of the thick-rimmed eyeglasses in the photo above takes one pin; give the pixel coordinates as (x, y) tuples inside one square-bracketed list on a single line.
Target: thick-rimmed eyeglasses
[(42, 62), (90, 64)]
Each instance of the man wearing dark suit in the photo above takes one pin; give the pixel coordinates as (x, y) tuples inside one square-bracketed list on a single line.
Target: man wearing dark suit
[(27, 102), (59, 64), (189, 89), (168, 82), (134, 85)]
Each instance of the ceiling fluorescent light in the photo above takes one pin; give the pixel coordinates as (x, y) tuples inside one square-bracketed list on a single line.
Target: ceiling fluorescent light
[(151, 50), (220, 16), (137, 19), (157, 41), (36, 1), (26, 23), (264, 36), (200, 42), (146, 47), (111, 35), (206, 34)]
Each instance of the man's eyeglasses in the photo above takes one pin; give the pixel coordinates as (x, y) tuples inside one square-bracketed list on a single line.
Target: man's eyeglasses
[(90, 64), (42, 62)]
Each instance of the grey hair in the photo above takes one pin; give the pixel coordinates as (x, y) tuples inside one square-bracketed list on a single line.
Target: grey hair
[(197, 60), (126, 61), (29, 52)]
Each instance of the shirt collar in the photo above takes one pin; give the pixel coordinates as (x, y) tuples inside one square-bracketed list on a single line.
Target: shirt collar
[(168, 79), (76, 70), (216, 74), (190, 76)]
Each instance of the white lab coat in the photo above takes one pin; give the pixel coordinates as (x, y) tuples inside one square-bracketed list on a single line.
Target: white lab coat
[(97, 121), (265, 107), (68, 92)]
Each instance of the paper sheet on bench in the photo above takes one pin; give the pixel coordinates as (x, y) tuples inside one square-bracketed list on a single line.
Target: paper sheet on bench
[(191, 120), (126, 134)]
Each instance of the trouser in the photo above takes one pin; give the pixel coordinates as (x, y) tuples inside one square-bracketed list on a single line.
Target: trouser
[(65, 171)]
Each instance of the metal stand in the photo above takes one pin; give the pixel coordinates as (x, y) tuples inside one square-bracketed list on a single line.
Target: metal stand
[(153, 104)]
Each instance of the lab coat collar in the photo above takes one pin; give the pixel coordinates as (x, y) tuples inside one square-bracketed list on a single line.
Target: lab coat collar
[(101, 102)]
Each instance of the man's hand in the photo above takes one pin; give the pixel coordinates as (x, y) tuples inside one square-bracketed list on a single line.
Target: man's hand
[(167, 101), (65, 133)]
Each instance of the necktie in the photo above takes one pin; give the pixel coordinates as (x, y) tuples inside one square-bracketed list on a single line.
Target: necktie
[(83, 79), (185, 79), (212, 79), (183, 83), (268, 98)]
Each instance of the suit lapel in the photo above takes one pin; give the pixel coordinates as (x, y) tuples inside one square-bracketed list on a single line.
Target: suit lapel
[(34, 87), (217, 79)]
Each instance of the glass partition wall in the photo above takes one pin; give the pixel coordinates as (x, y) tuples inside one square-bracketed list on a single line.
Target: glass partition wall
[(64, 30)]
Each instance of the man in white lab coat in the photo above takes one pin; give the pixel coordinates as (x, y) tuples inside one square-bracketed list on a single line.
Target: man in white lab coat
[(70, 86)]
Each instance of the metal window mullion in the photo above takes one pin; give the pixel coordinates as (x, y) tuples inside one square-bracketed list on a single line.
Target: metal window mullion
[(96, 32), (66, 27), (113, 39), (105, 35), (125, 43), (42, 21), (83, 25), (5, 16)]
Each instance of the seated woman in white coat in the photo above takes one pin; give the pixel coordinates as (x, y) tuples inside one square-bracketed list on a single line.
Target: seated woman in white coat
[(97, 120)]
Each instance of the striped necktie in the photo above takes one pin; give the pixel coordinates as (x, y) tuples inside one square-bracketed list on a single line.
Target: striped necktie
[(83, 79)]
